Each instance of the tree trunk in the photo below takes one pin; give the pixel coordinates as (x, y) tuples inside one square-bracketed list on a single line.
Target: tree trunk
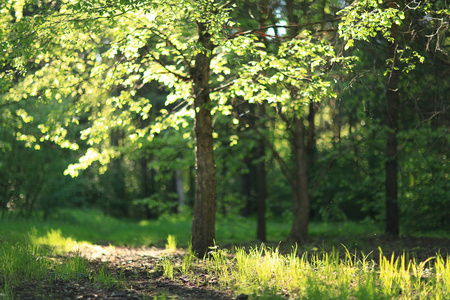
[(203, 232), (179, 185), (261, 181), (300, 206), (247, 184), (145, 188), (391, 166), (299, 231)]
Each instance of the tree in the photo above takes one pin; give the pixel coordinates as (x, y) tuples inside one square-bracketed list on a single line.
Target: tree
[(102, 53), (370, 21), (85, 21), (203, 230), (392, 107), (301, 197), (293, 76)]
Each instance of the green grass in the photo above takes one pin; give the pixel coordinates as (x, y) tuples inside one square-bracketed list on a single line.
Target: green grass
[(93, 227), (37, 251), (264, 273), (20, 262), (26, 263)]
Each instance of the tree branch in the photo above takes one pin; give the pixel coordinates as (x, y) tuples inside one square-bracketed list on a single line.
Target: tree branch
[(288, 26), (162, 64)]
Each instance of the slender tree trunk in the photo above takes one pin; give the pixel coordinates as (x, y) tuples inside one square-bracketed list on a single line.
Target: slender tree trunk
[(179, 185), (299, 231), (247, 184), (300, 206), (311, 145), (145, 181), (261, 183), (203, 232), (249, 181), (144, 178), (391, 167)]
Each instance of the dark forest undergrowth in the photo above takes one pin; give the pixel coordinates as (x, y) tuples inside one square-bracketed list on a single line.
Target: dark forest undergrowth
[(86, 255)]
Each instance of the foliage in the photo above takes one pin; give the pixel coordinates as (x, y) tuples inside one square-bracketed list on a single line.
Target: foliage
[(110, 84), (365, 19)]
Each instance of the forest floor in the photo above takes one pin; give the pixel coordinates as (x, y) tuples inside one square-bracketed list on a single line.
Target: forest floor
[(141, 276)]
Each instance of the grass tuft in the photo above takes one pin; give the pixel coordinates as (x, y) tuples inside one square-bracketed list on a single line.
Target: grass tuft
[(171, 243), (168, 269)]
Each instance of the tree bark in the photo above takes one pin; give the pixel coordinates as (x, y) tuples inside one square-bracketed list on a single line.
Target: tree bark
[(248, 179), (300, 208), (247, 186), (391, 166), (145, 187), (203, 232), (179, 185), (261, 182)]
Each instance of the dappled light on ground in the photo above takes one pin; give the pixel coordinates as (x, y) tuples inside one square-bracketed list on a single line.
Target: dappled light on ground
[(55, 241)]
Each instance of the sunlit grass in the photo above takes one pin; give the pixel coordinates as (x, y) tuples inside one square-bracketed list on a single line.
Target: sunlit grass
[(171, 244), (266, 273), (187, 262), (94, 227), (167, 266), (55, 241), (22, 263)]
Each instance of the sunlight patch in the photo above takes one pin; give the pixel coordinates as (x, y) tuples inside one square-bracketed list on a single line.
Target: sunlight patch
[(55, 241)]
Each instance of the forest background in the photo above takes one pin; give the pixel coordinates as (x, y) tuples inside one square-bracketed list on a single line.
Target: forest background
[(300, 110)]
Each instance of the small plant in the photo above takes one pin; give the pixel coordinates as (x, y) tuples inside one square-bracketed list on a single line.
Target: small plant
[(167, 268), (6, 291), (187, 261), (104, 278), (171, 243), (160, 297), (218, 263), (72, 267)]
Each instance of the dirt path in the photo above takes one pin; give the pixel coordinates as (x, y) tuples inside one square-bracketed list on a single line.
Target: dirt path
[(140, 268)]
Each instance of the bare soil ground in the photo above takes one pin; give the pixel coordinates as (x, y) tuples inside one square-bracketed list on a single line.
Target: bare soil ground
[(141, 270)]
